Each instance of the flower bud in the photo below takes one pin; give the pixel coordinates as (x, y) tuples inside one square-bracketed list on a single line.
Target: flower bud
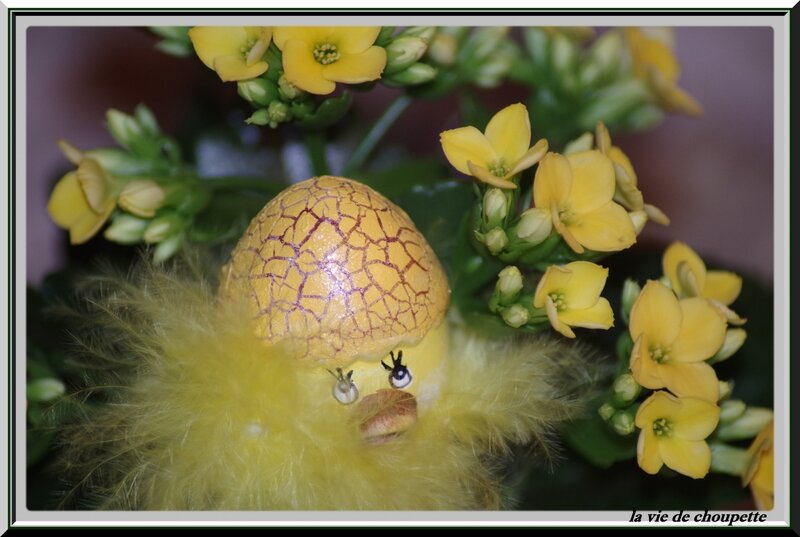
[(625, 389), (515, 316), (612, 102), (606, 411), (604, 58), (495, 240), (443, 49), (416, 73), (745, 426), (495, 208), (485, 41), (563, 53), (493, 69), (168, 248), (258, 91), (630, 292), (142, 197), (423, 32), (622, 422), (509, 284), (146, 119), (734, 339), (163, 227), (287, 90), (126, 229), (45, 389), (727, 459), (725, 389), (259, 117), (278, 112), (402, 52), (534, 226), (731, 410), (123, 127), (638, 219), (581, 143)]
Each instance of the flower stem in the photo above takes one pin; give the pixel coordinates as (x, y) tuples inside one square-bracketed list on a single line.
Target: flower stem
[(375, 134), (315, 145)]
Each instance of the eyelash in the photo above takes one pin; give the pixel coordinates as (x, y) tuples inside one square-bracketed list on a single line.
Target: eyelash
[(399, 375)]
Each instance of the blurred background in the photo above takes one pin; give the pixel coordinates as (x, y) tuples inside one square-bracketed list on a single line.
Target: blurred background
[(713, 176)]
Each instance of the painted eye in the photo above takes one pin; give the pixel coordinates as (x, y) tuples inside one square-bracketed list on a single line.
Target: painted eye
[(344, 389), (399, 374)]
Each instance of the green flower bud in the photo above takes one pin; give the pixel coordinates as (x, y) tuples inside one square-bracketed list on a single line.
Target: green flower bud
[(146, 119), (495, 208), (725, 389), (443, 49), (534, 226), (402, 52), (638, 219), (416, 73), (582, 143), (630, 292), (484, 42), (729, 460), (425, 33), (45, 389), (163, 227), (278, 112), (509, 284), (731, 410), (125, 129), (604, 58), (625, 389), (563, 53), (734, 339), (301, 110), (258, 91), (623, 423), (612, 102), (168, 248), (142, 197), (606, 411), (259, 117), (515, 316), (491, 72), (126, 229), (495, 240), (288, 90), (745, 426)]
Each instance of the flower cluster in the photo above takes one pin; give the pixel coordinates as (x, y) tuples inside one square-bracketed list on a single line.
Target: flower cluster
[(142, 187)]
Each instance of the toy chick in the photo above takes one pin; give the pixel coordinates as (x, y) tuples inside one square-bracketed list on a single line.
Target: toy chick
[(319, 372)]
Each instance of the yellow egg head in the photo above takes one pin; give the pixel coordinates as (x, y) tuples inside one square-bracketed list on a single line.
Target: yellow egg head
[(341, 278)]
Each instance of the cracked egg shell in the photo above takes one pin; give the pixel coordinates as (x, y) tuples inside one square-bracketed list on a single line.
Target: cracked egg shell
[(336, 272)]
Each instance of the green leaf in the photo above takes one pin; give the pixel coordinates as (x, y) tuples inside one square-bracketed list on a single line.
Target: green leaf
[(401, 178), (592, 439), (226, 216)]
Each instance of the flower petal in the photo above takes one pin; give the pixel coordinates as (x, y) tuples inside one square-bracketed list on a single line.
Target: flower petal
[(702, 331), (722, 286), (676, 253), (552, 182), (645, 371), (89, 223), (605, 229), (554, 279), (656, 313), (311, 35), (562, 230), (466, 144), (67, 202), (94, 183), (354, 39), (648, 454), (531, 157), (357, 68), (583, 289), (509, 132), (691, 380), (211, 42), (302, 70), (234, 68), (593, 181), (696, 419), (554, 317), (598, 316), (658, 405), (687, 457), (73, 154)]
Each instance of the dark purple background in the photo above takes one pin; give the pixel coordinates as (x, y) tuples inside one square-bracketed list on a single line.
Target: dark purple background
[(712, 176)]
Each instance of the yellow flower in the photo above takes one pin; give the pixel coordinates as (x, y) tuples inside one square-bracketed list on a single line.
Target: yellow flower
[(688, 277), (672, 340), (570, 294), (497, 154), (234, 52), (83, 199), (627, 194), (674, 432), (578, 189), (316, 58), (654, 63), (760, 470)]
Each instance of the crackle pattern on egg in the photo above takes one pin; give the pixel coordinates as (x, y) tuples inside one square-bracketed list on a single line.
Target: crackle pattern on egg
[(337, 271)]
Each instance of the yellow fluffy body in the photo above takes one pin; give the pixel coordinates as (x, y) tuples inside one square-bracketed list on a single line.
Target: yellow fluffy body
[(198, 414)]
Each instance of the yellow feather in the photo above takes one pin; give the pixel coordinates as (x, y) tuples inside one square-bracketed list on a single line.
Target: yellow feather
[(204, 416)]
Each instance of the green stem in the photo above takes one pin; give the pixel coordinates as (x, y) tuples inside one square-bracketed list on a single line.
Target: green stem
[(375, 134), (315, 145)]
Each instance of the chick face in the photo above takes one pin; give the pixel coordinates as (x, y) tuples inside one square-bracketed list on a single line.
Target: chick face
[(342, 279)]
